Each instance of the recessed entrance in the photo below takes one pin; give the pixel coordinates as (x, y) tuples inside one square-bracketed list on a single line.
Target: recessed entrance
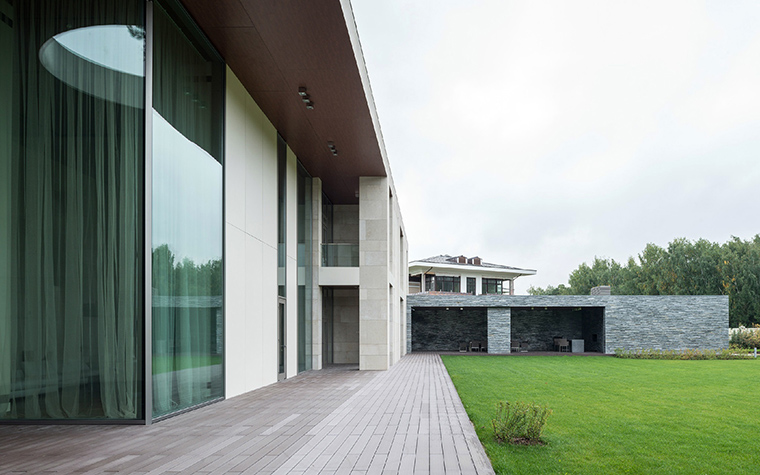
[(535, 328), (448, 328), (340, 325), (281, 346)]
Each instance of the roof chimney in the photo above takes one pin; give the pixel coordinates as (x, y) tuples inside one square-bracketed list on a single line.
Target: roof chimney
[(601, 290)]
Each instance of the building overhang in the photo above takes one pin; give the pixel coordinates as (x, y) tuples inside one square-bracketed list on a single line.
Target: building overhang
[(276, 47), (416, 268)]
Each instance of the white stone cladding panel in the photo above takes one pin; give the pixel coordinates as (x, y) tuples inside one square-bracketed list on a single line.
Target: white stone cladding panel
[(250, 243), (374, 318)]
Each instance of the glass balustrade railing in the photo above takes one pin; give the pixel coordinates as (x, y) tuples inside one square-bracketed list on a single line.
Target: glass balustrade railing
[(340, 255)]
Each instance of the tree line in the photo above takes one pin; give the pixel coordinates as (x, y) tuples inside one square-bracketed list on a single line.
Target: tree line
[(684, 267)]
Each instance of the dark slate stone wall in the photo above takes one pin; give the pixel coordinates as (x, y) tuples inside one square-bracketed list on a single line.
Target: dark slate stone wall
[(667, 322), (438, 329), (629, 321)]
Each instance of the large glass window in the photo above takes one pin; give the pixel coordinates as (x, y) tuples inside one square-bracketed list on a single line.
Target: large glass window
[(304, 269), (492, 286), (447, 283), (471, 285), (188, 83), (442, 283), (429, 282), (327, 219), (282, 216), (71, 209)]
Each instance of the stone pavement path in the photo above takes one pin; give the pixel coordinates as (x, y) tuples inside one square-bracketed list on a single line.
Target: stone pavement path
[(335, 421)]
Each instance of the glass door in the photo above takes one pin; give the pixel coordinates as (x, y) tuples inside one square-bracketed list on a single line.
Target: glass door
[(281, 346)]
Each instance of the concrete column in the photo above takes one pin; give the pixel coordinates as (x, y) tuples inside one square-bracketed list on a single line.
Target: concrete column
[(408, 326), (374, 332), (316, 266), (499, 330)]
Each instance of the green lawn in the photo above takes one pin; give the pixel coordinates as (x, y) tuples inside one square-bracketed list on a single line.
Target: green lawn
[(619, 416)]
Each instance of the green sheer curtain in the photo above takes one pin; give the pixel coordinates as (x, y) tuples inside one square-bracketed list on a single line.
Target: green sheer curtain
[(71, 205), (187, 218), (6, 113)]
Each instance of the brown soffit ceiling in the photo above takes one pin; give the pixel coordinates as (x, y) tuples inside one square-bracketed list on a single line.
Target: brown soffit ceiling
[(276, 46)]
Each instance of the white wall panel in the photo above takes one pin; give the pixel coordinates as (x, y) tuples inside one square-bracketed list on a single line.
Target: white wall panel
[(255, 132), (268, 321), (234, 311), (251, 240), (235, 163), (252, 337), (269, 190)]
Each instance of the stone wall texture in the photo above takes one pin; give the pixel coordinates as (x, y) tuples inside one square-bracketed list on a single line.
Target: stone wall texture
[(499, 330), (629, 322)]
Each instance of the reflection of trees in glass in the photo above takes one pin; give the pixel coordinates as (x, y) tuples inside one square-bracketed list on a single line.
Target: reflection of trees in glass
[(185, 278)]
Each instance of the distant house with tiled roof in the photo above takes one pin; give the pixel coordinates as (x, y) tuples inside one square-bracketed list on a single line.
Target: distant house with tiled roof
[(460, 274)]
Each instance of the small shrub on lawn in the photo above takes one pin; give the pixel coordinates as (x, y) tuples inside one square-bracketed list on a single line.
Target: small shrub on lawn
[(649, 354), (519, 422)]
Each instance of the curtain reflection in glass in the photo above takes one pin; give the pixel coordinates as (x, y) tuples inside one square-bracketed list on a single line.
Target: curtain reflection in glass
[(71, 217), (6, 115), (187, 223)]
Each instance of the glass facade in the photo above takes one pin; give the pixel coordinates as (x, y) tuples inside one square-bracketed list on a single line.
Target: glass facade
[(327, 219), (74, 207), (187, 217), (71, 209), (282, 210), (282, 227), (304, 232)]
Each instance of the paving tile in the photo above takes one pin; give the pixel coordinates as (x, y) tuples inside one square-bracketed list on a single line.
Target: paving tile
[(339, 421)]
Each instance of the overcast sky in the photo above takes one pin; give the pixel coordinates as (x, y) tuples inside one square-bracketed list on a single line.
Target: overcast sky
[(540, 134)]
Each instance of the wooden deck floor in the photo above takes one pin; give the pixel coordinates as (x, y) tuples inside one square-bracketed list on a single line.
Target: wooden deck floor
[(335, 421)]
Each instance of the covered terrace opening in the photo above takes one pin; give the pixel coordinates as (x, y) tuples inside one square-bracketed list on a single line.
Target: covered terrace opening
[(449, 328), (535, 328)]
